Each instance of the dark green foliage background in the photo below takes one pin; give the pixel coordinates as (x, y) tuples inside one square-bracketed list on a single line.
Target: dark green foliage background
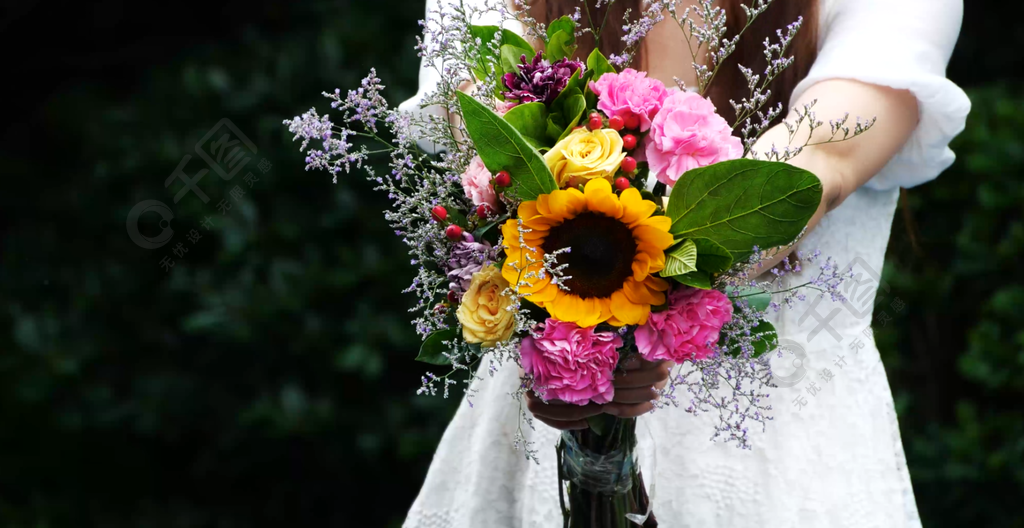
[(268, 380)]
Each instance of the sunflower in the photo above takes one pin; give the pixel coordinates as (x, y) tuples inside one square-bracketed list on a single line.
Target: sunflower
[(616, 247)]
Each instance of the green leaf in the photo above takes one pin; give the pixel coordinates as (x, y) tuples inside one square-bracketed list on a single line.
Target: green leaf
[(757, 298), (433, 348), (486, 35), (530, 119), (697, 279), (561, 45), (598, 64), (681, 260), (501, 147), (511, 38), (511, 57), (743, 203), (456, 217), (767, 339), (565, 23), (575, 106), (483, 230), (711, 256)]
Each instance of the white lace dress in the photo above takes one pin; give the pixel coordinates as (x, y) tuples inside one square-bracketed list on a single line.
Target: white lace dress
[(832, 457)]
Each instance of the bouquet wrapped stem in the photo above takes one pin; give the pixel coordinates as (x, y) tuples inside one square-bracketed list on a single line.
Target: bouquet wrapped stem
[(599, 472)]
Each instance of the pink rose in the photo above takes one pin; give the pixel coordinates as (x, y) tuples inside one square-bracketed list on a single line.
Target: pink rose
[(572, 364), (476, 181), (688, 329), (629, 94), (687, 134)]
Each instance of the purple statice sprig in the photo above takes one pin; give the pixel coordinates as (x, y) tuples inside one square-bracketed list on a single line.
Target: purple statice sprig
[(539, 80)]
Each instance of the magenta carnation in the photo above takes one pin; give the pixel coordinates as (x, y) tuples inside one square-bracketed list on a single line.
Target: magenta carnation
[(687, 134), (629, 94), (476, 181), (687, 329), (572, 364)]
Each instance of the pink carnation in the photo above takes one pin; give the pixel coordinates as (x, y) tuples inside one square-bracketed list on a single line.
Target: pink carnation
[(476, 181), (501, 107), (572, 364), (687, 329), (629, 94), (687, 134)]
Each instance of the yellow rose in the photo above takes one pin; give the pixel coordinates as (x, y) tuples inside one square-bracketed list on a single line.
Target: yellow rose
[(484, 310), (584, 155)]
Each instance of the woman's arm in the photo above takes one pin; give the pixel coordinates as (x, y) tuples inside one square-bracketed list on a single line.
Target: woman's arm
[(844, 166)]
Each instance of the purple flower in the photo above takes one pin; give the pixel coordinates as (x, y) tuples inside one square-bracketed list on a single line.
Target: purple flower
[(540, 80), (467, 257)]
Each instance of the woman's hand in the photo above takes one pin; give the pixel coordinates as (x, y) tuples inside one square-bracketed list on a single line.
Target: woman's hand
[(636, 386), (561, 415)]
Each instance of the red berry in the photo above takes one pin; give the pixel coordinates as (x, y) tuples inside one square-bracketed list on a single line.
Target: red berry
[(593, 115), (629, 142), (632, 122), (628, 164), (503, 179), (483, 210), (621, 183), (439, 213), (453, 232), (616, 123), (595, 122), (452, 298)]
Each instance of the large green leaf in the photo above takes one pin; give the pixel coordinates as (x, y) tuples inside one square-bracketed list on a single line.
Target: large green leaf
[(561, 39), (561, 45), (565, 23), (512, 57), (711, 256), (744, 203), (574, 109), (697, 279), (530, 119), (757, 298), (518, 46), (598, 64), (433, 348), (486, 34), (502, 147), (512, 38), (681, 260)]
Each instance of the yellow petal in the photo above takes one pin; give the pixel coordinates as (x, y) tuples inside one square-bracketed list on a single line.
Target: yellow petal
[(658, 238), (544, 295), (661, 222), (656, 283), (626, 311), (566, 307), (641, 266), (638, 293), (566, 204)]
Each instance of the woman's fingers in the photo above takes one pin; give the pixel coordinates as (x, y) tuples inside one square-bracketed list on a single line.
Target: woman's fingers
[(652, 374), (560, 411), (626, 410), (639, 395), (563, 426)]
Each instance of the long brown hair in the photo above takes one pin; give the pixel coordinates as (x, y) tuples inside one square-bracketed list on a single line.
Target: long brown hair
[(729, 83)]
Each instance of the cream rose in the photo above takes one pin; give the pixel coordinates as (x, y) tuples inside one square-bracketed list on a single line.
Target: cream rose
[(584, 155), (484, 310)]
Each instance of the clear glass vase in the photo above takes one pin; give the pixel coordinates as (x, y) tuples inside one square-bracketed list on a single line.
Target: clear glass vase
[(600, 483)]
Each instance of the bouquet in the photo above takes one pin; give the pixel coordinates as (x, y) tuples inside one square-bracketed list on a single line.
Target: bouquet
[(580, 214)]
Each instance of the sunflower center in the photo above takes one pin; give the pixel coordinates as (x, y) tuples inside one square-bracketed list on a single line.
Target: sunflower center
[(600, 257)]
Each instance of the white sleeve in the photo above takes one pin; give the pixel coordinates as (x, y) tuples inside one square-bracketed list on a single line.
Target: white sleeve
[(429, 75), (903, 44)]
